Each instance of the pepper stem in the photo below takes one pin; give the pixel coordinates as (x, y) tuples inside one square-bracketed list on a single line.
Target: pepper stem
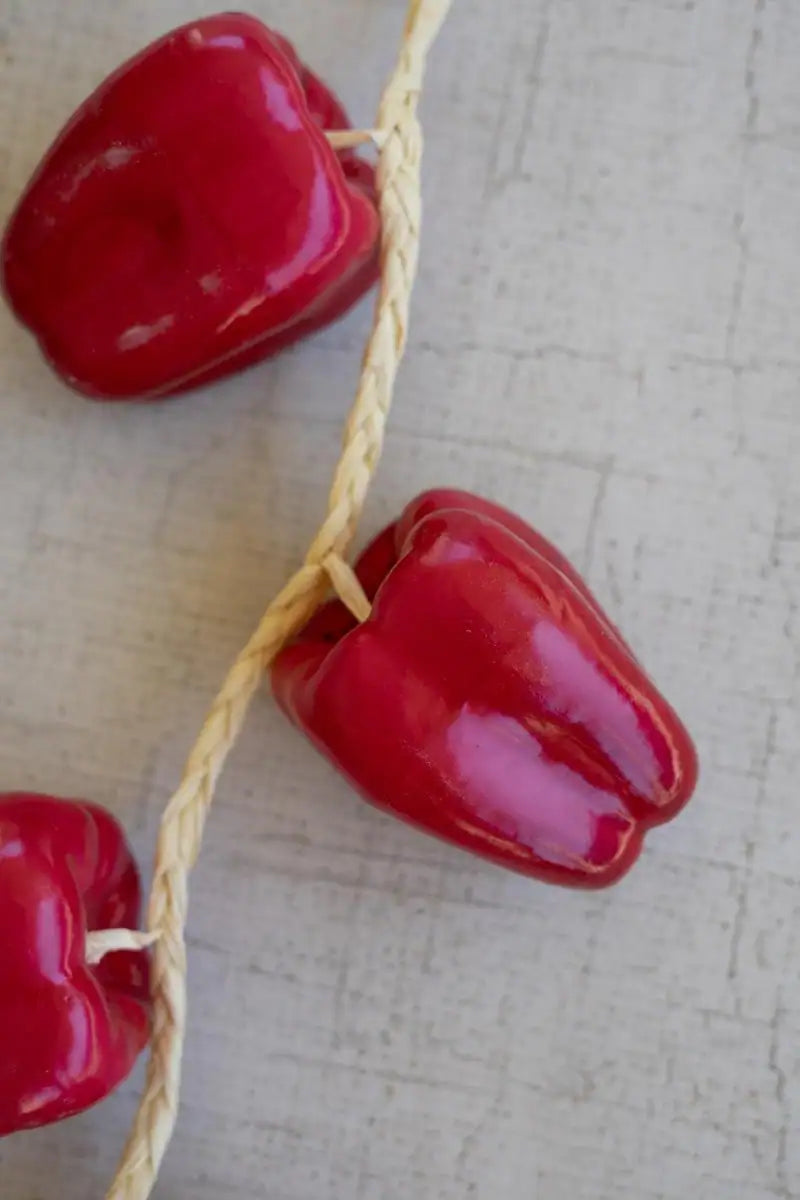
[(100, 942)]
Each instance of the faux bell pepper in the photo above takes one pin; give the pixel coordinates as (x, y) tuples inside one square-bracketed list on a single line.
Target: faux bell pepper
[(488, 700), (69, 1032), (191, 218)]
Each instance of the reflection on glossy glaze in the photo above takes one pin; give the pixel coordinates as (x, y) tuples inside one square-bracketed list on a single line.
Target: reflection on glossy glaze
[(489, 753), (488, 699), (69, 1033), (191, 218)]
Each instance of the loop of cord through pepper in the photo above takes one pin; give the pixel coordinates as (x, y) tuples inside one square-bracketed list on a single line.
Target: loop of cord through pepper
[(398, 137)]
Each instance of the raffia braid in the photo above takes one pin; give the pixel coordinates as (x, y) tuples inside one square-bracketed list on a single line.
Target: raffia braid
[(399, 137)]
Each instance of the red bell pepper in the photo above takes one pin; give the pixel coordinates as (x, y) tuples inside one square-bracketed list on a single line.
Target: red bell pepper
[(191, 218), (69, 1032), (488, 700)]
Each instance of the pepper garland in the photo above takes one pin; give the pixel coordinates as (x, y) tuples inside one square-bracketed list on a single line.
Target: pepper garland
[(398, 135), (584, 756)]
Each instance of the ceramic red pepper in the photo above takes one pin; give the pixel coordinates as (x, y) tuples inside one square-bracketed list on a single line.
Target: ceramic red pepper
[(488, 700), (191, 218), (69, 1032)]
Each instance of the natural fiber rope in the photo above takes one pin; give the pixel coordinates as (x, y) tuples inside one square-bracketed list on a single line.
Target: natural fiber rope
[(109, 941), (398, 181)]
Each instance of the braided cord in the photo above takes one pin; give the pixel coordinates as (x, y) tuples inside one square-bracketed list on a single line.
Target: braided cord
[(181, 832)]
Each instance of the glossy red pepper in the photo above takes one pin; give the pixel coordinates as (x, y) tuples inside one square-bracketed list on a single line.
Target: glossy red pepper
[(69, 1032), (488, 700), (191, 218)]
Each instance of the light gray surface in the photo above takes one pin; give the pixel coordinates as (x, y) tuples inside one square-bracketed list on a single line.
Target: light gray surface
[(605, 337)]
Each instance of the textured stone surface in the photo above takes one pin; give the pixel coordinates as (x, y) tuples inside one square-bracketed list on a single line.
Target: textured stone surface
[(605, 338)]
